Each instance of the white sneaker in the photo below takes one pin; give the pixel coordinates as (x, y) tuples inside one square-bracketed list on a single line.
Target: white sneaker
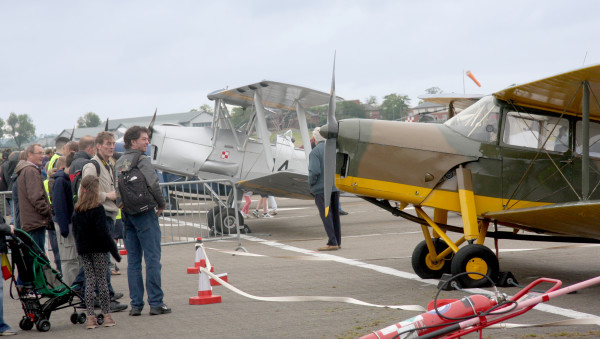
[(255, 213), (267, 215), (273, 212)]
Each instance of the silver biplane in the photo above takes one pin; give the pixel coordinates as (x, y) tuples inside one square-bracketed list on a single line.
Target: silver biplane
[(244, 155)]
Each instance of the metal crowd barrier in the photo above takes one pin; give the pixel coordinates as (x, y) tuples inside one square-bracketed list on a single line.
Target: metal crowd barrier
[(201, 208), (194, 209)]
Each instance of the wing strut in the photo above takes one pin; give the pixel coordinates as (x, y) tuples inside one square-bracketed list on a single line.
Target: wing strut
[(261, 128), (585, 147), (303, 129)]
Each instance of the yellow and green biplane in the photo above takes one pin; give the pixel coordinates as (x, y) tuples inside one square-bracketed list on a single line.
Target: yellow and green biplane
[(526, 157)]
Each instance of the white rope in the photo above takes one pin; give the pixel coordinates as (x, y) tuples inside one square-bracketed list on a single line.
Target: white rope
[(309, 298)]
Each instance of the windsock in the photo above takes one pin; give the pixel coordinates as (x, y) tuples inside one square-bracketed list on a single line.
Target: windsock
[(470, 75)]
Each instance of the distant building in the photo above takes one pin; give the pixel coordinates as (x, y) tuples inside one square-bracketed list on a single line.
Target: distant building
[(119, 126)]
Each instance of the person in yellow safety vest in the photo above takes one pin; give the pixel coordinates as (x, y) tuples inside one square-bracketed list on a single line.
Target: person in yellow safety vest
[(118, 234), (60, 143)]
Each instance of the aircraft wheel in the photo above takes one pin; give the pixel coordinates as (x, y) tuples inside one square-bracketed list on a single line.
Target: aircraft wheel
[(212, 215), (225, 221), (424, 266), (475, 258)]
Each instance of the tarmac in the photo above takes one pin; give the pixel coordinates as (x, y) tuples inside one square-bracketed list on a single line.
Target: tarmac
[(374, 266)]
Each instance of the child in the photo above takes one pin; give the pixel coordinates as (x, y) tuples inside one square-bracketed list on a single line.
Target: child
[(248, 201), (93, 241)]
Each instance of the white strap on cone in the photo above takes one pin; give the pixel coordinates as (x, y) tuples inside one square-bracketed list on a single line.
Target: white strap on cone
[(201, 254), (310, 298)]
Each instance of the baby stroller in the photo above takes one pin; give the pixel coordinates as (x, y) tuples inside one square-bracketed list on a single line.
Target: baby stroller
[(39, 286)]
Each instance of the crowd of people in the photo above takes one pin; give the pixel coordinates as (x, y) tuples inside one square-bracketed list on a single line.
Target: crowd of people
[(72, 196)]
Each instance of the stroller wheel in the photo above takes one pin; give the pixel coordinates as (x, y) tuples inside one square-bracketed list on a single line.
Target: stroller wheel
[(43, 325), (26, 324), (81, 318), (100, 319), (74, 317)]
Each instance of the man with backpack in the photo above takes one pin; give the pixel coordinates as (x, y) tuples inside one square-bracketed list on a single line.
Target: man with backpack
[(138, 194)]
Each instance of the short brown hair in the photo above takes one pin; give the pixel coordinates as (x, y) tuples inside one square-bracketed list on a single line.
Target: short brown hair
[(30, 148), (103, 136), (70, 158), (85, 142), (134, 133), (72, 146)]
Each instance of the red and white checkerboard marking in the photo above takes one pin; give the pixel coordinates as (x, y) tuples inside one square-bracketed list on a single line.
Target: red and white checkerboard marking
[(225, 155), (410, 119)]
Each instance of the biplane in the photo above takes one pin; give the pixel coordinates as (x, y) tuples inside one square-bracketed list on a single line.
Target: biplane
[(244, 154), (526, 157)]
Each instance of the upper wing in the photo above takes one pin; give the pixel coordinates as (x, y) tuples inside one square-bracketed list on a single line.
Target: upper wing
[(274, 95), (573, 218), (280, 184), (457, 100), (557, 93)]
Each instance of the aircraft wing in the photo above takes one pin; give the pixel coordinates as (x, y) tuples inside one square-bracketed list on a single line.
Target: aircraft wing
[(573, 218), (274, 95), (457, 100), (281, 184), (557, 93)]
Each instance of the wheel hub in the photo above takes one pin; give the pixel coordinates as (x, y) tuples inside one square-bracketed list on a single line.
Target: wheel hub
[(476, 265), (432, 264)]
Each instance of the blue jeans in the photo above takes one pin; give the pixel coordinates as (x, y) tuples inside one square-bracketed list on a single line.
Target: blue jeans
[(39, 237), (3, 326), (54, 247), (142, 238)]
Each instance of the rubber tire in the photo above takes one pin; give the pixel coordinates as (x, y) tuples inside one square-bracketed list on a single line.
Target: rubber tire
[(210, 216), (227, 221), (25, 324), (100, 319), (74, 318), (419, 255), (81, 318), (466, 254), (43, 325)]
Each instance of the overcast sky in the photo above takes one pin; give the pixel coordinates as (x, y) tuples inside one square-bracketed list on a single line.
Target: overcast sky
[(62, 59)]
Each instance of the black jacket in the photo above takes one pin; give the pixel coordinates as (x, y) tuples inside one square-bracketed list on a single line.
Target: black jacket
[(91, 233), (4, 231)]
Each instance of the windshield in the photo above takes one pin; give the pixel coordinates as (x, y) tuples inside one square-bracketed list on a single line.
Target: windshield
[(479, 121)]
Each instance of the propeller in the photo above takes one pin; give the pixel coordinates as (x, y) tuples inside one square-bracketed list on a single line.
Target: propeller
[(106, 126), (72, 133), (329, 132), (152, 124)]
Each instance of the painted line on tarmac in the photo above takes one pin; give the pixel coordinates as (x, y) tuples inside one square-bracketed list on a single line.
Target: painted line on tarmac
[(565, 312)]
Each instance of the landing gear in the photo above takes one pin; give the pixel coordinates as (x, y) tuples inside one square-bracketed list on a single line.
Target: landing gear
[(427, 266), (475, 258), (225, 221)]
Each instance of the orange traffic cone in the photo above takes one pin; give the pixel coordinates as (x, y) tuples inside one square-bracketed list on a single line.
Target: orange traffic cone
[(470, 75), (205, 295), (200, 259)]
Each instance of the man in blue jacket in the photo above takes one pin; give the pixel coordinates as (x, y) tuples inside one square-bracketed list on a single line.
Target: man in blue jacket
[(316, 181), (62, 202)]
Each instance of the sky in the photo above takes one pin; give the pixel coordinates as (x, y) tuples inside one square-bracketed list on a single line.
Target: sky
[(61, 59)]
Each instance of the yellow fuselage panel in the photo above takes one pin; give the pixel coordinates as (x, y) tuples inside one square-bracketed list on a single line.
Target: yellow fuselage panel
[(415, 195)]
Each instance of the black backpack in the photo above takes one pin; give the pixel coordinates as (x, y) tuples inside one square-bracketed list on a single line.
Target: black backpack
[(134, 191), (76, 179)]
